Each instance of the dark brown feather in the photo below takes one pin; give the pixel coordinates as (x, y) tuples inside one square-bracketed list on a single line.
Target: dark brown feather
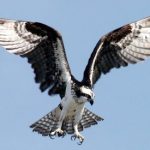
[(114, 50), (118, 34)]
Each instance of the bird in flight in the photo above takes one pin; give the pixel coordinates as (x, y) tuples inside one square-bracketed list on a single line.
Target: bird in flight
[(44, 48)]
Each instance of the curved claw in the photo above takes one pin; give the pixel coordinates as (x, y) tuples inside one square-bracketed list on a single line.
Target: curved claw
[(52, 137), (57, 133), (80, 142), (63, 135), (80, 137), (73, 137)]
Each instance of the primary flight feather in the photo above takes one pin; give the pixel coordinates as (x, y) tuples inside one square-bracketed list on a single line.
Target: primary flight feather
[(43, 47)]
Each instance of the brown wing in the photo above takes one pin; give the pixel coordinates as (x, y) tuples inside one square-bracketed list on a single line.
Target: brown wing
[(44, 48), (126, 45)]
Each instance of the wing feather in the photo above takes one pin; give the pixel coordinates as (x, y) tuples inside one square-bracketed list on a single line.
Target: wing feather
[(126, 45), (43, 47)]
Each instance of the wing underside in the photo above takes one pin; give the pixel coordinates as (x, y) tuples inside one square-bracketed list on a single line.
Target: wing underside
[(126, 45), (43, 47)]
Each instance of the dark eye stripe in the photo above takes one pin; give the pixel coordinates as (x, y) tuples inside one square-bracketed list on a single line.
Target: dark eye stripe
[(85, 95)]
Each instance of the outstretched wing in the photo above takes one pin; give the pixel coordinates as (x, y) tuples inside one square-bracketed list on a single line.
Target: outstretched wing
[(126, 45), (44, 48)]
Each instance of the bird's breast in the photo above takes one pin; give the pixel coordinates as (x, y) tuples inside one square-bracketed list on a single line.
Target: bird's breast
[(72, 106)]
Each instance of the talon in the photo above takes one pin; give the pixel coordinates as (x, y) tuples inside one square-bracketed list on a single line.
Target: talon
[(52, 136), (58, 132), (63, 135), (73, 137), (80, 141), (80, 137)]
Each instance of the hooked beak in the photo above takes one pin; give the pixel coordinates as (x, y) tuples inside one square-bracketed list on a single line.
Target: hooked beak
[(91, 101)]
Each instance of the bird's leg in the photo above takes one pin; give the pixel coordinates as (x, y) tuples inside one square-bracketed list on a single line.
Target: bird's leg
[(59, 132), (77, 135)]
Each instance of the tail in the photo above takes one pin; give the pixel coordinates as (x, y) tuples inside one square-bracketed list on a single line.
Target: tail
[(49, 122), (88, 119)]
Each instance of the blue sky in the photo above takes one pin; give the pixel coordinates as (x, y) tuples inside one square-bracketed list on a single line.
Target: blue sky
[(122, 96)]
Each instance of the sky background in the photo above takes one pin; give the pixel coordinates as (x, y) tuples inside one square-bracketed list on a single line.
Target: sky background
[(122, 96)]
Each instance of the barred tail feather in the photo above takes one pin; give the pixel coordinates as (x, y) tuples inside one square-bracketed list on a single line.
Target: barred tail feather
[(49, 123), (88, 119)]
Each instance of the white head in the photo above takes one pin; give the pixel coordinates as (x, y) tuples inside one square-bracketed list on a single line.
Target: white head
[(87, 94)]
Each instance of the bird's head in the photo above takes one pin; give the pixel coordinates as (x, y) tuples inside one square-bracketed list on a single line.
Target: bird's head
[(86, 94)]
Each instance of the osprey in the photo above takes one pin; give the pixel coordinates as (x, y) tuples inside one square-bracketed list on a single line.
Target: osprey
[(43, 47)]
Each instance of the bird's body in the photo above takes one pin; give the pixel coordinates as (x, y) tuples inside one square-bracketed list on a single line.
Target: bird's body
[(70, 116), (43, 47)]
